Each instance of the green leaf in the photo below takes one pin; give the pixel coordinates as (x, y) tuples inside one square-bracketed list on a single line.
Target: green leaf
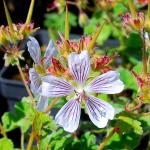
[(120, 103), (135, 124), (138, 68), (123, 142), (128, 122), (96, 36), (6, 144), (91, 28), (43, 124), (145, 121), (22, 116), (57, 21), (86, 142), (133, 52), (128, 79), (119, 9)]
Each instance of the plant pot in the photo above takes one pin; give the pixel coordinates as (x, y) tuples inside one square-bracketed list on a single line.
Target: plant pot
[(13, 90)]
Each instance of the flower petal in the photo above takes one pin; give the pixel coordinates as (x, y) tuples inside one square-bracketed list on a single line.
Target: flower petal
[(55, 87), (34, 50), (79, 65), (42, 104), (107, 83), (99, 111), (69, 115), (49, 52), (35, 81)]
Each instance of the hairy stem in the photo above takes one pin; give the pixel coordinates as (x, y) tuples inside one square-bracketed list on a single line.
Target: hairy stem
[(149, 9), (29, 146), (135, 108), (144, 54), (132, 9), (2, 131), (22, 140), (71, 3), (102, 145), (25, 84), (49, 107)]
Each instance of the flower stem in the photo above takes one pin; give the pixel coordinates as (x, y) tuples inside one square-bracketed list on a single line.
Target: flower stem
[(30, 141), (71, 3), (102, 145), (149, 9), (22, 140), (2, 131), (135, 108), (144, 54), (25, 84), (132, 9), (49, 107)]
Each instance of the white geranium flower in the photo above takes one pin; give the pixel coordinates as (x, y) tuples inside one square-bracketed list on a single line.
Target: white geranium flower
[(35, 78), (99, 111)]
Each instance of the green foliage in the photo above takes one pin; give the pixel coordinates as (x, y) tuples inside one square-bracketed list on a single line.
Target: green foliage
[(60, 103), (57, 22), (138, 68), (91, 28), (22, 117), (43, 124), (6, 144), (133, 50), (130, 130), (119, 103), (128, 79), (125, 141), (119, 9), (145, 121), (56, 142), (128, 122)]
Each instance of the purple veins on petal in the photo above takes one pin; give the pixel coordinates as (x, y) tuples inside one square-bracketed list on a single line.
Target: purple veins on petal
[(55, 87), (107, 83), (99, 111), (79, 65), (34, 50), (35, 81), (42, 104), (49, 52), (69, 115)]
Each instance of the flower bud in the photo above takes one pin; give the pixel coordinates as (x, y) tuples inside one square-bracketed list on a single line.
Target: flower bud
[(83, 19), (143, 2), (136, 23)]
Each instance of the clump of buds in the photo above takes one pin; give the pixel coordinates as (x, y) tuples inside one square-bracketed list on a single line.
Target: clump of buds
[(57, 69), (143, 2), (144, 86), (16, 33), (133, 23), (143, 94), (68, 46), (10, 37), (137, 20), (102, 63)]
